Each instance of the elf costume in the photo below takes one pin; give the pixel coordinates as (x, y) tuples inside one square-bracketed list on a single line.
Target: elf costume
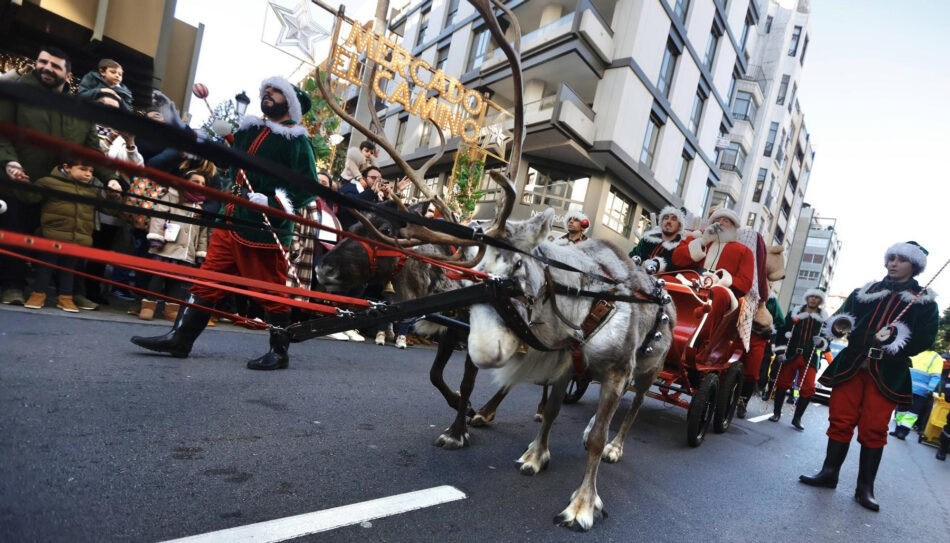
[(652, 246), (248, 252), (870, 376)]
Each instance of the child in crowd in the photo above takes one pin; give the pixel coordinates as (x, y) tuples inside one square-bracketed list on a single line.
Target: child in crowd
[(175, 242), (109, 77), (64, 220), (358, 160)]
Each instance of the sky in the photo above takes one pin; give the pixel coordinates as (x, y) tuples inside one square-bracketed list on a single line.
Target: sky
[(875, 92)]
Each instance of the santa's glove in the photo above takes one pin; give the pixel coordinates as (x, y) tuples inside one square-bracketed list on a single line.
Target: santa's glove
[(711, 234), (257, 198), (651, 266), (155, 244), (886, 335), (820, 343), (200, 260)]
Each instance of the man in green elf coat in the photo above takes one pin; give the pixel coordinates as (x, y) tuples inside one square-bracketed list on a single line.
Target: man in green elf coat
[(248, 252), (889, 321)]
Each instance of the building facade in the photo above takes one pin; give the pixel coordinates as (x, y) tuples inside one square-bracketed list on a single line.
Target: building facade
[(625, 100), (812, 257)]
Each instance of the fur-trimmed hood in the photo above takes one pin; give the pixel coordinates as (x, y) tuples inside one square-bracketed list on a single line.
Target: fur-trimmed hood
[(865, 295), (289, 131), (655, 235), (295, 107), (802, 313)]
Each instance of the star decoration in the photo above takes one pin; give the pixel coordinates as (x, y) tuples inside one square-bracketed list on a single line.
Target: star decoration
[(298, 29), (495, 137)]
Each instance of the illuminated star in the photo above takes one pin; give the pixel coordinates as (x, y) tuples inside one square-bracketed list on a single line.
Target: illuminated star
[(297, 28), (496, 137)]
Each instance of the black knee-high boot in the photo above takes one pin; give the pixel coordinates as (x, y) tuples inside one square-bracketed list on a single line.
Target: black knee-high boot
[(828, 476), (778, 401), (867, 472), (179, 340), (944, 446), (277, 357), (799, 411)]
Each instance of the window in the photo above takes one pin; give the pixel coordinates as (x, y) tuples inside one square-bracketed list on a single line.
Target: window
[(744, 108), (618, 216), (696, 115), (786, 208), (791, 99), (723, 132), (680, 9), (555, 188), (771, 192), (683, 176), (401, 132), (665, 81), (711, 45), (779, 235), (759, 185), (768, 24), (479, 49), (649, 141), (721, 200), (813, 258), (750, 222), (793, 45), (451, 10), (733, 158), (425, 133), (770, 140), (783, 89), (442, 56), (745, 31), (799, 154), (423, 24), (732, 83), (801, 59), (792, 181)]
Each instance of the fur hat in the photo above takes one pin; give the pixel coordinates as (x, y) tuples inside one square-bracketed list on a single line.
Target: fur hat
[(670, 210), (912, 251), (815, 292), (575, 214), (727, 213), (298, 102)]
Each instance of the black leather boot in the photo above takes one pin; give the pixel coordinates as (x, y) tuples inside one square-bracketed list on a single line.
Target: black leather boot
[(944, 446), (828, 476), (179, 340), (900, 432), (799, 411), (867, 471), (276, 358), (748, 387), (777, 409)]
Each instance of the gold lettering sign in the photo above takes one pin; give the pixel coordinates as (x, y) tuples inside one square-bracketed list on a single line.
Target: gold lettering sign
[(458, 110)]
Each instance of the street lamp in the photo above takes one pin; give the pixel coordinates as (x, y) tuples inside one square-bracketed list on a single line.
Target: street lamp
[(241, 101)]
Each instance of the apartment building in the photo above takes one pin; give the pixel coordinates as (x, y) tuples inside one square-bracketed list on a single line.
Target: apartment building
[(812, 257), (625, 100)]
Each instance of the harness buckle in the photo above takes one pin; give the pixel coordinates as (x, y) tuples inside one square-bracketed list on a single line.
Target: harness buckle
[(875, 353)]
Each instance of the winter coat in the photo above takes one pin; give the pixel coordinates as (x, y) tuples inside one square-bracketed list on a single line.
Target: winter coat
[(35, 160), (799, 330), (64, 220), (652, 246), (90, 84), (925, 372), (871, 308), (192, 240), (731, 256), (355, 164)]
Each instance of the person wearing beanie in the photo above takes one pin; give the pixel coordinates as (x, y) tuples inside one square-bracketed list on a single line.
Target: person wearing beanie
[(576, 223), (887, 322), (657, 244), (717, 253), (253, 252), (802, 341)]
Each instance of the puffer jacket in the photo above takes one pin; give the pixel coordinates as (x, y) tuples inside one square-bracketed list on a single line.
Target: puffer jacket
[(63, 220), (192, 240)]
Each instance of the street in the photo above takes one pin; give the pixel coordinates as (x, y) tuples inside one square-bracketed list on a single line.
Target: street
[(102, 441)]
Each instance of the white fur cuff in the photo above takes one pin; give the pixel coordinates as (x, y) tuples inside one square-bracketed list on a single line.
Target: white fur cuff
[(901, 337), (155, 237), (281, 196), (696, 251), (826, 328)]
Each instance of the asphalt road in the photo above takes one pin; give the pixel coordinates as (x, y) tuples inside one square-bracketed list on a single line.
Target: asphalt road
[(101, 441)]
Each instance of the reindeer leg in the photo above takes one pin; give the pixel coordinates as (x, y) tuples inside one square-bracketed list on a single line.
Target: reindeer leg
[(544, 399), (585, 503), (487, 413), (536, 457), (446, 347), (456, 436), (642, 383)]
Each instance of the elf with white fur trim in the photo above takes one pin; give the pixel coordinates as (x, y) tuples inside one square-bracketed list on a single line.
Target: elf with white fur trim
[(871, 376), (659, 242), (801, 339)]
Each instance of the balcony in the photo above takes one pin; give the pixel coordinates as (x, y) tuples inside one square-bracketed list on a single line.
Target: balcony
[(756, 75)]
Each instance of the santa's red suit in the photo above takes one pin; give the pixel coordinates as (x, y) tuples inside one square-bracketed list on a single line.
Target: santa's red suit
[(725, 254)]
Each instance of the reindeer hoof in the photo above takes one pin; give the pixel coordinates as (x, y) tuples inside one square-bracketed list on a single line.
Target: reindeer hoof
[(538, 417), (580, 518), (480, 420), (533, 463), (447, 441), (612, 454)]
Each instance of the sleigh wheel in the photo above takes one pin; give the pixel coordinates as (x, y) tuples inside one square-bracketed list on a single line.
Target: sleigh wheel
[(728, 398), (701, 410), (576, 389)]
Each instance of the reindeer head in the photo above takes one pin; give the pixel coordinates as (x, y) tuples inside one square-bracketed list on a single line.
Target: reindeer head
[(491, 343)]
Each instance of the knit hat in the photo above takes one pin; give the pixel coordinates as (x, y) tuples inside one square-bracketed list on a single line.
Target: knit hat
[(727, 213), (298, 102), (670, 210), (912, 251), (575, 214), (815, 292)]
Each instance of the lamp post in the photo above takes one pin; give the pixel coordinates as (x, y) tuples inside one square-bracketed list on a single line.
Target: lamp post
[(241, 101)]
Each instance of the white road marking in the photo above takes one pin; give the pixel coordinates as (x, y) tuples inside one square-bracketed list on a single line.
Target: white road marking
[(760, 418), (330, 519)]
